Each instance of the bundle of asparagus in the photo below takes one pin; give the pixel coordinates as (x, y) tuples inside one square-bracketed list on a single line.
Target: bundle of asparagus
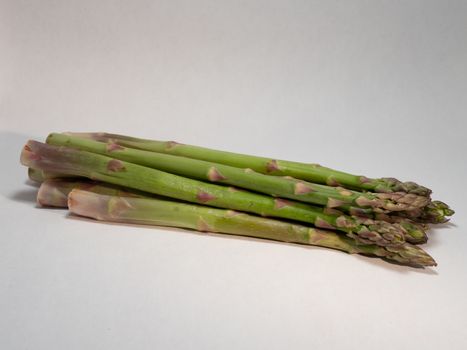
[(303, 203)]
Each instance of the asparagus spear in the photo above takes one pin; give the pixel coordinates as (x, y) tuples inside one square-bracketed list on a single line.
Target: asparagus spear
[(167, 213), (246, 178), (308, 172), (97, 167)]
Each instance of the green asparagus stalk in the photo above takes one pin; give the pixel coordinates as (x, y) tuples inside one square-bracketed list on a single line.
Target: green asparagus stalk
[(201, 218), (308, 172), (246, 178), (65, 160)]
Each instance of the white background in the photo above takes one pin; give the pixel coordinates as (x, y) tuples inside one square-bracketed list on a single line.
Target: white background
[(371, 87)]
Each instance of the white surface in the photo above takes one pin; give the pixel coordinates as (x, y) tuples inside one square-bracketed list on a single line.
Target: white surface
[(369, 87)]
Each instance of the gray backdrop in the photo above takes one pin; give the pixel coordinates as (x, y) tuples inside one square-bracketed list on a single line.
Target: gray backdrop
[(373, 87)]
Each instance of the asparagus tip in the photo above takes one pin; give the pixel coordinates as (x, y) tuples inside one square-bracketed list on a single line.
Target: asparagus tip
[(411, 255)]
